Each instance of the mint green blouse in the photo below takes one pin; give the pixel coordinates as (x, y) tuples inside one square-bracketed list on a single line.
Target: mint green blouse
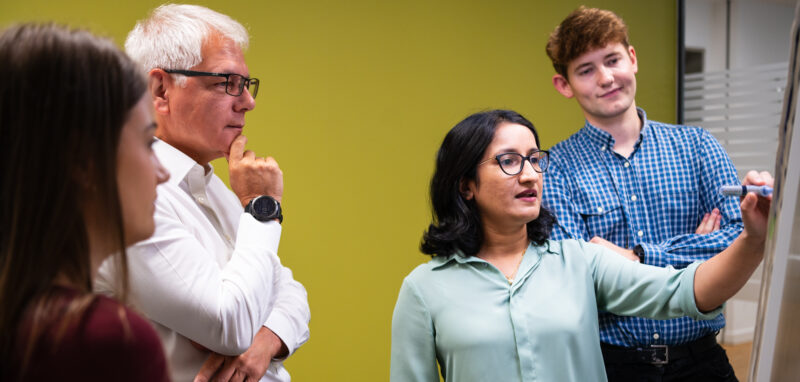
[(461, 313)]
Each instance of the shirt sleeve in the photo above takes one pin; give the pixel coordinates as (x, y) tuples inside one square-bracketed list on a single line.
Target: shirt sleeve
[(221, 307), (716, 170), (557, 199), (628, 288), (290, 315), (413, 346)]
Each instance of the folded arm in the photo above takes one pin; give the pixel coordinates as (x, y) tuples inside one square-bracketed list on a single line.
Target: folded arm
[(176, 282)]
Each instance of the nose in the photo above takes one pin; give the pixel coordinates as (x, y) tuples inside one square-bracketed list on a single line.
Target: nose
[(528, 173), (162, 175), (606, 77), (245, 101)]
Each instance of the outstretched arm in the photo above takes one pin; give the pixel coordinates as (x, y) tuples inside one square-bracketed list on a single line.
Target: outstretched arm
[(719, 278)]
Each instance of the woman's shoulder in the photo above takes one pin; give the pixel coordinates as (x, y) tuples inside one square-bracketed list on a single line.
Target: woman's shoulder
[(566, 246), (426, 271), (107, 320), (124, 335), (573, 249), (108, 340)]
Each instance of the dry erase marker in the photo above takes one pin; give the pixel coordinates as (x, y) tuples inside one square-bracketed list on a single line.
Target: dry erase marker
[(743, 190)]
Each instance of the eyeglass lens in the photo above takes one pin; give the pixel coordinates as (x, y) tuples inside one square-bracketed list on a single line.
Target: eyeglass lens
[(237, 82), (512, 163)]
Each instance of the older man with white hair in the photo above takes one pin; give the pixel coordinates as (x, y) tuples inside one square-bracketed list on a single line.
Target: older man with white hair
[(210, 279)]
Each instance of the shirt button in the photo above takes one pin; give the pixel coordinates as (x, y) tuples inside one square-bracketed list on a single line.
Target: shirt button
[(640, 233), (656, 336), (201, 199), (600, 209), (633, 198), (627, 164), (602, 148)]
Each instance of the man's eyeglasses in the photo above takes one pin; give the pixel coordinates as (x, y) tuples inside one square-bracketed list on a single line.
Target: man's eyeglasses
[(234, 83), (512, 163)]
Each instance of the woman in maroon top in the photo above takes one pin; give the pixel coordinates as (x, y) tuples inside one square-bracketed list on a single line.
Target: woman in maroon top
[(78, 184)]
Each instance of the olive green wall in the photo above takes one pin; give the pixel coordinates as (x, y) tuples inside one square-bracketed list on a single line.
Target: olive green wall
[(355, 98)]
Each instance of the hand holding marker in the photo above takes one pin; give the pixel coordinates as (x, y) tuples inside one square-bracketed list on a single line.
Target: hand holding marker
[(743, 190)]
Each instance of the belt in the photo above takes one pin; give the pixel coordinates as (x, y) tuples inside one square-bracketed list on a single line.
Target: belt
[(656, 354)]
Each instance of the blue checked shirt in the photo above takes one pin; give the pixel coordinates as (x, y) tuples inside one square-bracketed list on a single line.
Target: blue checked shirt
[(655, 198)]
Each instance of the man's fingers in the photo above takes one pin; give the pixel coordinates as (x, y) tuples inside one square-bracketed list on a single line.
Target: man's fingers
[(717, 223), (701, 227), (238, 376), (237, 148), (249, 155), (226, 371), (210, 366)]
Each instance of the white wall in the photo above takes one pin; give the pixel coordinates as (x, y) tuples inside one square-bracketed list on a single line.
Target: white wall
[(759, 31), (705, 29), (759, 34)]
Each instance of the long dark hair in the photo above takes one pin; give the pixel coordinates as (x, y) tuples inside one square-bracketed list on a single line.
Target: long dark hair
[(64, 98), (456, 225)]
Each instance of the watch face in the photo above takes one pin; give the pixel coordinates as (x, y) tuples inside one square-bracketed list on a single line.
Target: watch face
[(265, 207)]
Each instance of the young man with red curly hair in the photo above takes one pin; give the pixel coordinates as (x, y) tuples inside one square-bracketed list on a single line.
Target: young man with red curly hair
[(646, 189)]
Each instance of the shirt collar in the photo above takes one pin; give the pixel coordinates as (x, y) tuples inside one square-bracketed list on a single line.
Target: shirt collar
[(458, 257), (177, 163), (603, 140)]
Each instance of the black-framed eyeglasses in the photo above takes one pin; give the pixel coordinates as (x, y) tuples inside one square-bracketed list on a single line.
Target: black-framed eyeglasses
[(512, 163), (234, 83)]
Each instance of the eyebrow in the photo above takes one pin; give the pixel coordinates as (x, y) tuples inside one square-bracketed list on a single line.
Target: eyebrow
[(510, 150), (606, 57), (230, 72)]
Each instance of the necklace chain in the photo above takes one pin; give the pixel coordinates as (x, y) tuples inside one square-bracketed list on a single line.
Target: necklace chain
[(514, 271)]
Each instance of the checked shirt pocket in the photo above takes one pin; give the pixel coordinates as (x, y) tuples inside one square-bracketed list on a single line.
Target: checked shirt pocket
[(602, 218)]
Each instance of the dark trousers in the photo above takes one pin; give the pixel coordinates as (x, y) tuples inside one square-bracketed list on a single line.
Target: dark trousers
[(690, 363)]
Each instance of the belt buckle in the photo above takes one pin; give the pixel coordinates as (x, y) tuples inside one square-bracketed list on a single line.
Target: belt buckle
[(659, 354)]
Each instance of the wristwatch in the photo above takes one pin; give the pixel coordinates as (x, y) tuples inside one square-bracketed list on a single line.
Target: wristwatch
[(639, 251), (265, 208)]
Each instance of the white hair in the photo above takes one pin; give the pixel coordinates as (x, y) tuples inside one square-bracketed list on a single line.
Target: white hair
[(174, 34)]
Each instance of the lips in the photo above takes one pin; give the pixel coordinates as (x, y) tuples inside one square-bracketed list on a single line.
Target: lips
[(611, 93), (531, 193)]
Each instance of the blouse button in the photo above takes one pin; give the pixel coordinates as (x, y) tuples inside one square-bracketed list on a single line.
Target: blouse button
[(633, 198), (600, 209), (656, 336), (627, 164), (640, 233)]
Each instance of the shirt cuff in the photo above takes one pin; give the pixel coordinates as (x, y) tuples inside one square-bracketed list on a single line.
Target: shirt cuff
[(687, 294), (281, 325), (650, 257), (266, 234)]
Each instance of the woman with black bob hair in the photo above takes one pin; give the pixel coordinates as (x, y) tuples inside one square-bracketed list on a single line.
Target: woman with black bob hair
[(500, 302), (457, 223), (78, 185)]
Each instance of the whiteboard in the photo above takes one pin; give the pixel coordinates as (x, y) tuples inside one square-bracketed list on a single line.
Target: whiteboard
[(776, 348)]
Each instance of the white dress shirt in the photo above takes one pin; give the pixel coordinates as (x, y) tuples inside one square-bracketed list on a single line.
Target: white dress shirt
[(210, 273)]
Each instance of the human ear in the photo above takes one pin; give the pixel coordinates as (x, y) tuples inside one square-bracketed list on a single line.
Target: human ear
[(465, 188), (562, 85), (634, 61), (158, 82)]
